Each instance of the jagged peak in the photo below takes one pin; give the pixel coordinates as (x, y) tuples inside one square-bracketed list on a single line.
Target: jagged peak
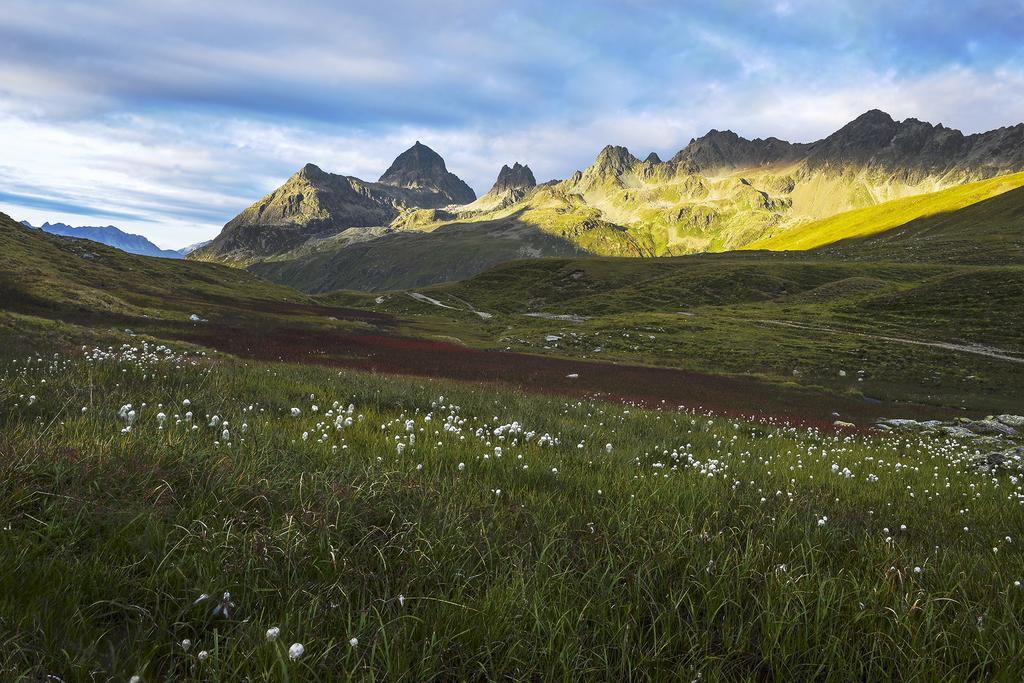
[(613, 159), (310, 171), (418, 159), (653, 158), (515, 177), (873, 116), (421, 167)]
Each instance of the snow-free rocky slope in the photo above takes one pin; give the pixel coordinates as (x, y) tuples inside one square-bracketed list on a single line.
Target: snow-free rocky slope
[(720, 192)]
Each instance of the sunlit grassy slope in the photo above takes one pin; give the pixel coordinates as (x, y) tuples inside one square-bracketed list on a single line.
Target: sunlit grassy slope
[(876, 219)]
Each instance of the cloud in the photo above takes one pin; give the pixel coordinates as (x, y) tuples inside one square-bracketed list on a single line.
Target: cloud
[(172, 117)]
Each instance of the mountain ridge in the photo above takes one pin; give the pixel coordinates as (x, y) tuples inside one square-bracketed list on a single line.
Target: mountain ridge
[(720, 192), (314, 203), (110, 235)]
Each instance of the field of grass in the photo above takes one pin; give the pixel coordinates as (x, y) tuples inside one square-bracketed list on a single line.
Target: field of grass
[(163, 508), (924, 332), (872, 220)]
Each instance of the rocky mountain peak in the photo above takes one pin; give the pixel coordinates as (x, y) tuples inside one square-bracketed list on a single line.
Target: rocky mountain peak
[(868, 129), (515, 177), (653, 158), (420, 167), (614, 160), (726, 150)]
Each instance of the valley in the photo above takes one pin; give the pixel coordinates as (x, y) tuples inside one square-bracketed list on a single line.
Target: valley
[(416, 439)]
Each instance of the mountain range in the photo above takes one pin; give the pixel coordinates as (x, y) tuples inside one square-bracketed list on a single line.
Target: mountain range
[(113, 237), (419, 223)]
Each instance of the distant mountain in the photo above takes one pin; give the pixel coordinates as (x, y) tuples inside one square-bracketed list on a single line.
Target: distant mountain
[(720, 192), (109, 235), (316, 204), (185, 251)]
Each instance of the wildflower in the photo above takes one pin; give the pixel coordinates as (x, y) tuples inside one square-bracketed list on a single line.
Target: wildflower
[(296, 412), (608, 447), (272, 633), (917, 570), (203, 655), (225, 435), (186, 644), (295, 651), (401, 598), (462, 466), (186, 403), (135, 679), (353, 642)]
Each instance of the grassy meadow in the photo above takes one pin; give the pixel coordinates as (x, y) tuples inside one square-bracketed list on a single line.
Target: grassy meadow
[(163, 507)]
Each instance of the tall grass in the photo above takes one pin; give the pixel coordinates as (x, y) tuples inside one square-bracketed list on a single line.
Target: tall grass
[(693, 548)]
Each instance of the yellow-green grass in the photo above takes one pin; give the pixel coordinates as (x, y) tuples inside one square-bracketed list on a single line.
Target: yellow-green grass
[(875, 219)]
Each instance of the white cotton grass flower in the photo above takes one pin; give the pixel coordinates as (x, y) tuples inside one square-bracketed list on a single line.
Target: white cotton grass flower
[(296, 412), (608, 447), (135, 679), (272, 633), (462, 466), (186, 645), (353, 642), (203, 655), (295, 651)]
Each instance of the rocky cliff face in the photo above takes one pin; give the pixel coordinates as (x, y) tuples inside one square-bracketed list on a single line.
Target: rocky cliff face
[(515, 177), (725, 150), (877, 142), (421, 168)]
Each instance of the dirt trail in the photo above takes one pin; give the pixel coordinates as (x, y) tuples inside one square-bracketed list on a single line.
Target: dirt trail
[(976, 349)]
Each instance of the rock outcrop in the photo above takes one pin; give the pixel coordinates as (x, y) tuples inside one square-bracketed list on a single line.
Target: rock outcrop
[(515, 177)]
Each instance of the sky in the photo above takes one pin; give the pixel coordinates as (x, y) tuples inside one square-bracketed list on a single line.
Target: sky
[(168, 118)]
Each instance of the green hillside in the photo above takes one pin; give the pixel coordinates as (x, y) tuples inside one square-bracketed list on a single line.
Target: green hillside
[(929, 332), (45, 272), (872, 220)]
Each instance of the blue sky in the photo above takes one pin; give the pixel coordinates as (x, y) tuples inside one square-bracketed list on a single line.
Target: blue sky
[(167, 118)]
